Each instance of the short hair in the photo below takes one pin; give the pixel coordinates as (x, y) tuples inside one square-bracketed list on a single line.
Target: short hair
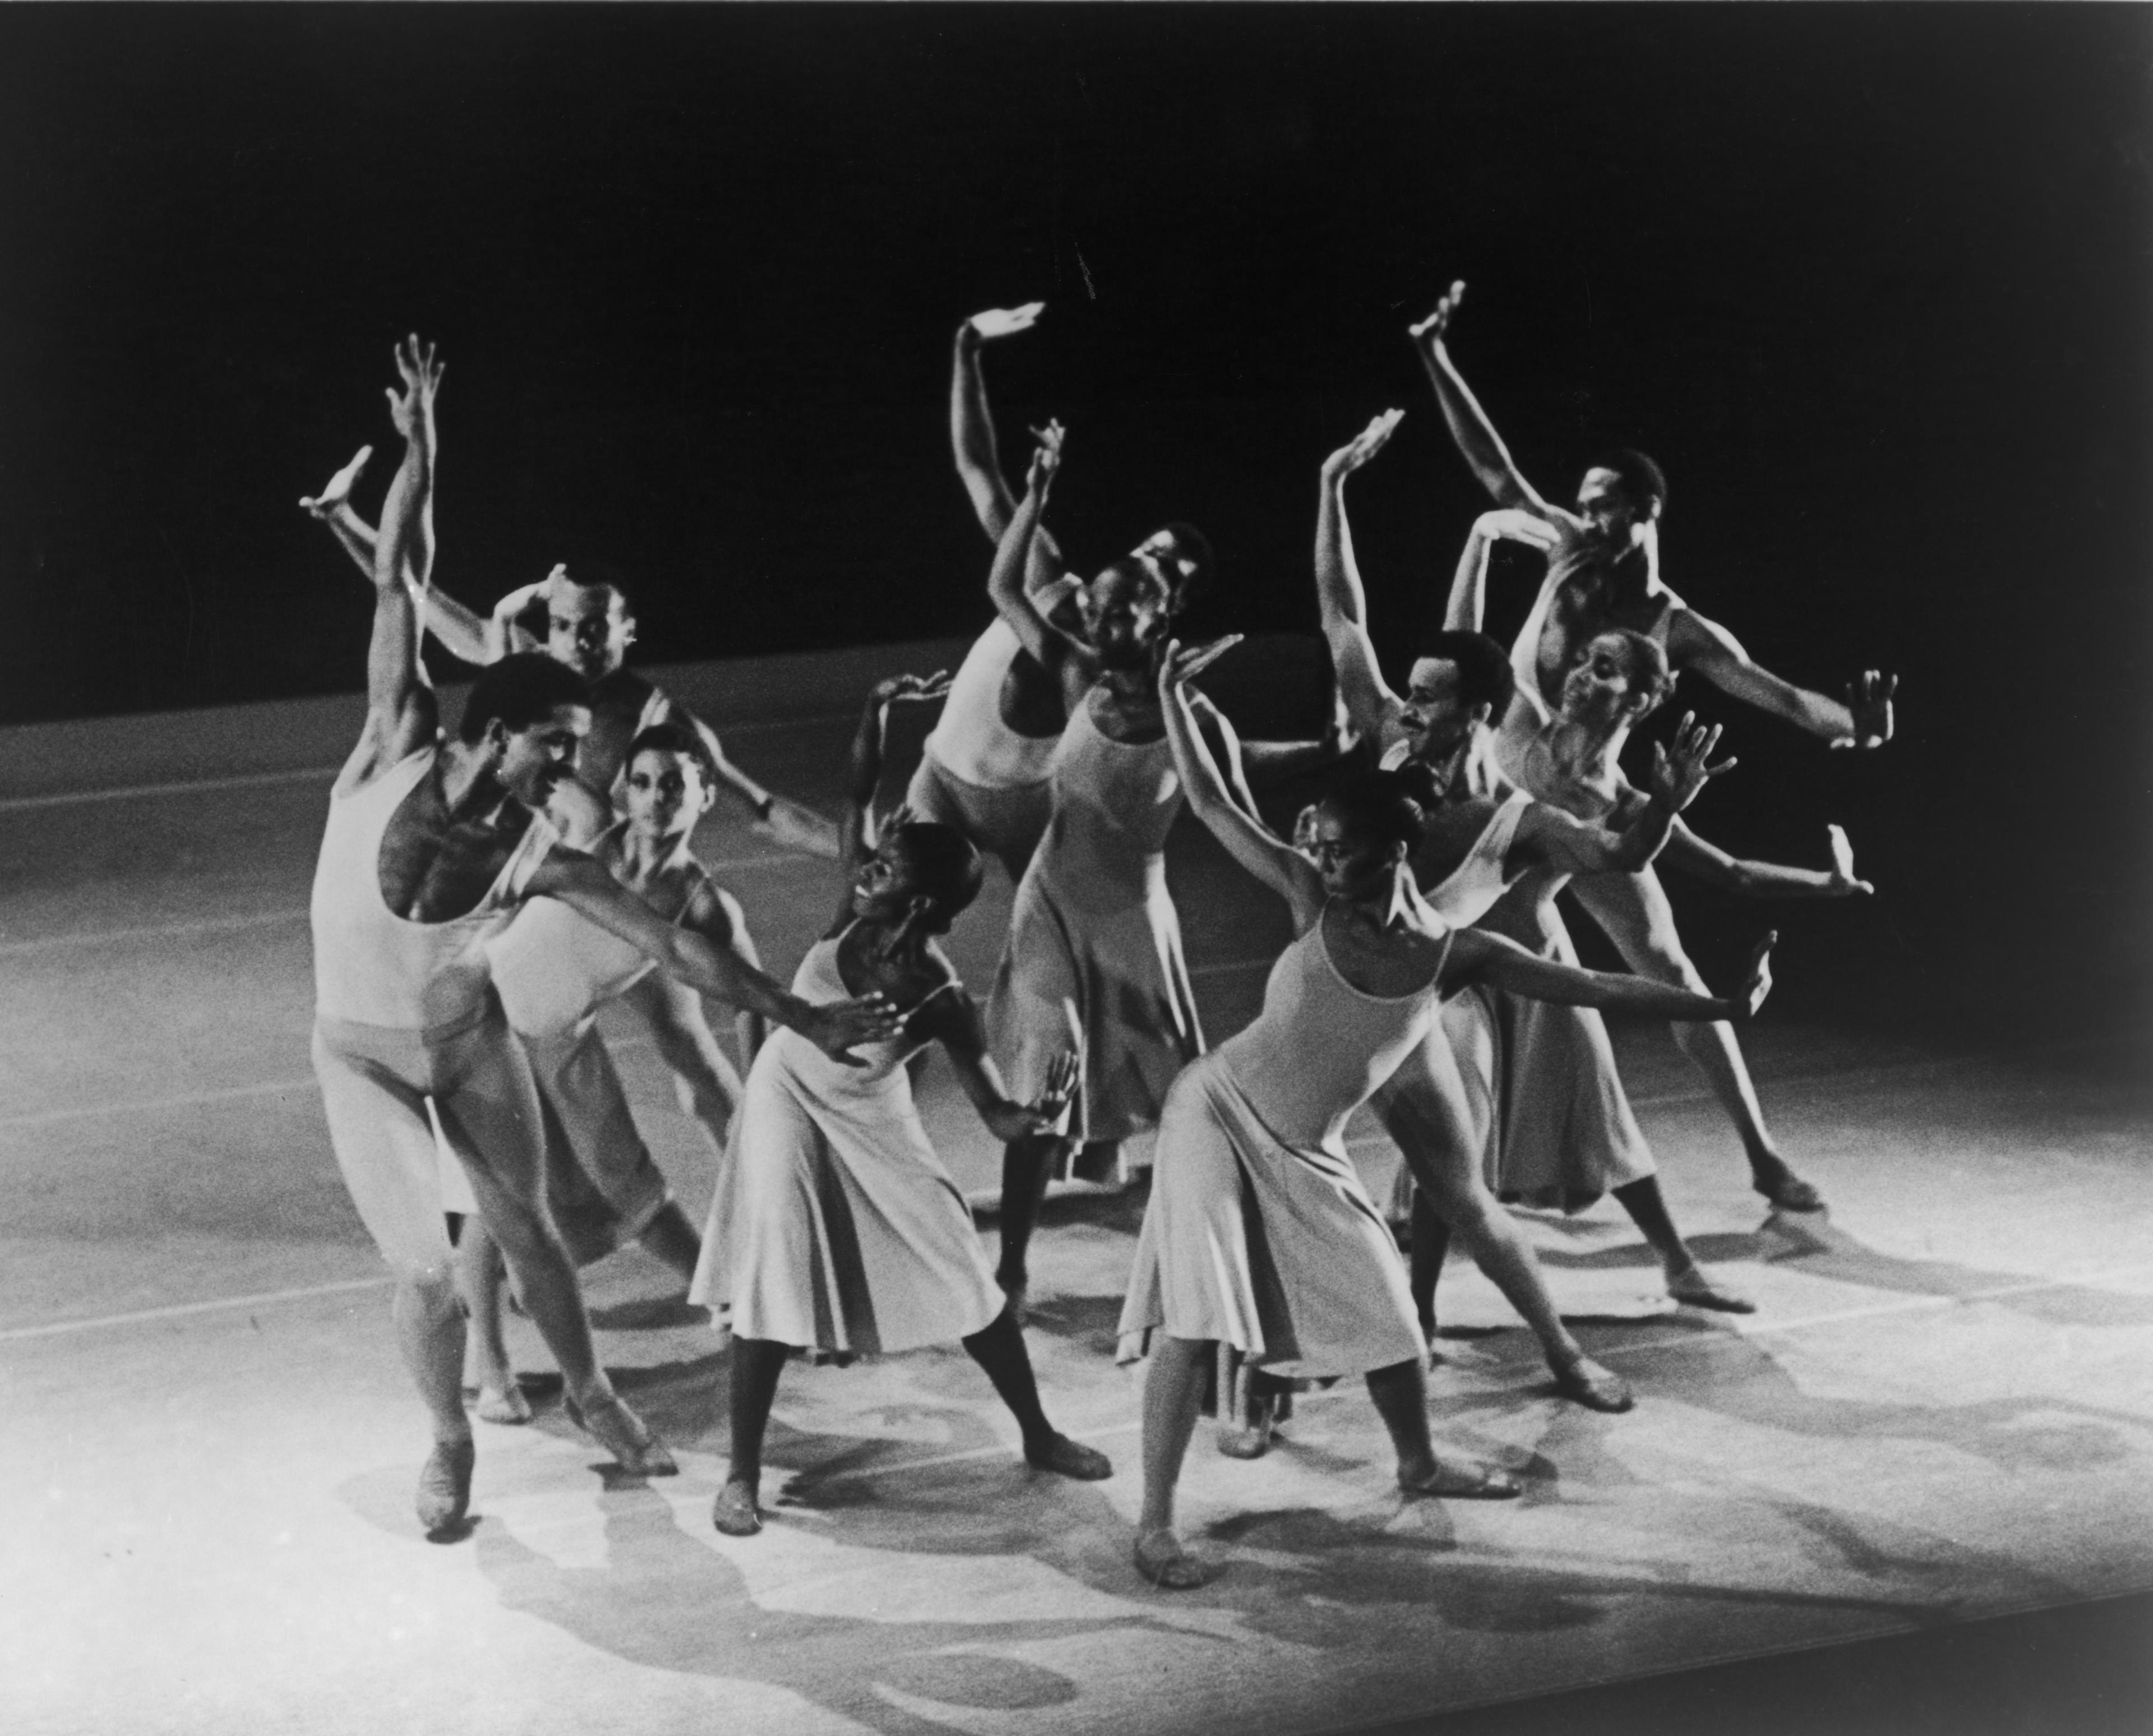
[(1643, 480), (599, 576), (1196, 546), (1483, 668), (1377, 808), (1649, 670), (945, 866), (678, 739), (523, 689)]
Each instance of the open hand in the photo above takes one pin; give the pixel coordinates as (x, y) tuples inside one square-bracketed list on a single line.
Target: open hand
[(1677, 775), (1052, 1110), (1182, 664), (834, 1027), (421, 374), (336, 491), (1046, 459), (1869, 700), (1843, 881), (893, 688), (1006, 322), (1757, 982), (1431, 330), (1363, 447)]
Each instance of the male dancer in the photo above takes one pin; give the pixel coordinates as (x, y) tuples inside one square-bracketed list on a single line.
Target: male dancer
[(430, 846), (1603, 572)]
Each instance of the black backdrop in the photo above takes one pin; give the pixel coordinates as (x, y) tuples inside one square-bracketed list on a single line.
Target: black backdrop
[(1874, 284)]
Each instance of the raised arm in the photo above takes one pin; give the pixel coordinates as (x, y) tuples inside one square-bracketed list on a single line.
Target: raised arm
[(1483, 448), (582, 883), (1864, 720), (1248, 841), (1693, 856), (401, 713), (859, 835), (1478, 956), (978, 457), (1005, 579), (1676, 776), (1466, 604), (1340, 598)]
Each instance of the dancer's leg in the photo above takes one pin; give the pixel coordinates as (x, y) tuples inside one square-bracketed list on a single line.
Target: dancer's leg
[(998, 1348), (481, 1273), (1027, 1163), (1173, 1393), (1686, 1281), (1634, 912), (757, 1362), (1401, 1395), (1431, 1242)]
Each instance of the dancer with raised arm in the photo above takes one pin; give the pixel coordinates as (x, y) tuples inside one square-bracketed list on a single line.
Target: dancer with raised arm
[(1471, 847), (554, 971), (589, 627), (1094, 950), (1603, 573), (430, 846), (834, 1229), (1258, 1234)]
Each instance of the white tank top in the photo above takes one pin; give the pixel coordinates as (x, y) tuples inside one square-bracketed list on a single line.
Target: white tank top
[(1469, 890), (970, 741), (373, 967)]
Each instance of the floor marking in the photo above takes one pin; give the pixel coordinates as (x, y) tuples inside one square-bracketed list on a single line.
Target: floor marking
[(229, 1093), (180, 1310)]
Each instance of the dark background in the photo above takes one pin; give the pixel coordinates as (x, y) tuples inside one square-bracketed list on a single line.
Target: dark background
[(1872, 283)]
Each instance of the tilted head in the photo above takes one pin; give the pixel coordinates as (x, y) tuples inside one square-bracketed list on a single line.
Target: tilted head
[(588, 625), (671, 781), (1364, 828), (531, 714), (922, 873), (1126, 611), (1621, 494), (1462, 680), (1617, 681)]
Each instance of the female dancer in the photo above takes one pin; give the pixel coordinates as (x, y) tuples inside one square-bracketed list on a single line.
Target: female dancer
[(836, 1229), (554, 971), (1258, 1233)]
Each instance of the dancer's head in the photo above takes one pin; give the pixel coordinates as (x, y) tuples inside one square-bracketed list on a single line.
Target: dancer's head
[(1621, 494), (1126, 611), (671, 781), (531, 714), (1462, 681), (922, 873), (1617, 681), (1181, 555), (1364, 828), (588, 625)]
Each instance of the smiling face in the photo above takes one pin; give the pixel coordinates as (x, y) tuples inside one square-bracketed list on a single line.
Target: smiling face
[(887, 887), (667, 793), (588, 627), (1126, 614), (535, 758), (1435, 718), (1352, 865)]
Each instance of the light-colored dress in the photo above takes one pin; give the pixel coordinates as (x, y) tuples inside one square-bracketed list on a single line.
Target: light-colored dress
[(1258, 1234), (835, 1227), (1093, 960), (975, 773)]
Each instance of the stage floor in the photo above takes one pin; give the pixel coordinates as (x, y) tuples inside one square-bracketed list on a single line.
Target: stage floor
[(1942, 1409)]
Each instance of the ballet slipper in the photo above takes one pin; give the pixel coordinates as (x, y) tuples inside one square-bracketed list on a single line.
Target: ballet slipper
[(1692, 1289), (1066, 1457), (444, 1497), (508, 1405), (1160, 1559), (623, 1434), (734, 1512), (1787, 1190), (1585, 1382), (1471, 1483)]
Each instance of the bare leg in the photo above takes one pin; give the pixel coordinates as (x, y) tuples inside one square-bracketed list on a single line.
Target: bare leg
[(1634, 912), (1431, 1242), (1686, 1281), (1027, 1163), (1173, 1393), (480, 1274), (757, 1362), (999, 1349), (1400, 1392)]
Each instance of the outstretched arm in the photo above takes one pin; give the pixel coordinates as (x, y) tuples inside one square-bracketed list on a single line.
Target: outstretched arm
[(1477, 440), (972, 438), (1865, 720), (1340, 598), (582, 883), (1467, 605), (401, 713), (1691, 854), (952, 1019), (1248, 841), (1478, 956), (1576, 847)]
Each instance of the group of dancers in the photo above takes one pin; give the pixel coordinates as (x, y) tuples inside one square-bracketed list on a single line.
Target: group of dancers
[(479, 899)]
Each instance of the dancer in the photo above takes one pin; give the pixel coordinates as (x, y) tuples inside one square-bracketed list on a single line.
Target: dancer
[(554, 971), (1471, 847), (430, 847), (589, 627), (1603, 572), (1094, 949), (836, 1229), (1258, 1234)]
